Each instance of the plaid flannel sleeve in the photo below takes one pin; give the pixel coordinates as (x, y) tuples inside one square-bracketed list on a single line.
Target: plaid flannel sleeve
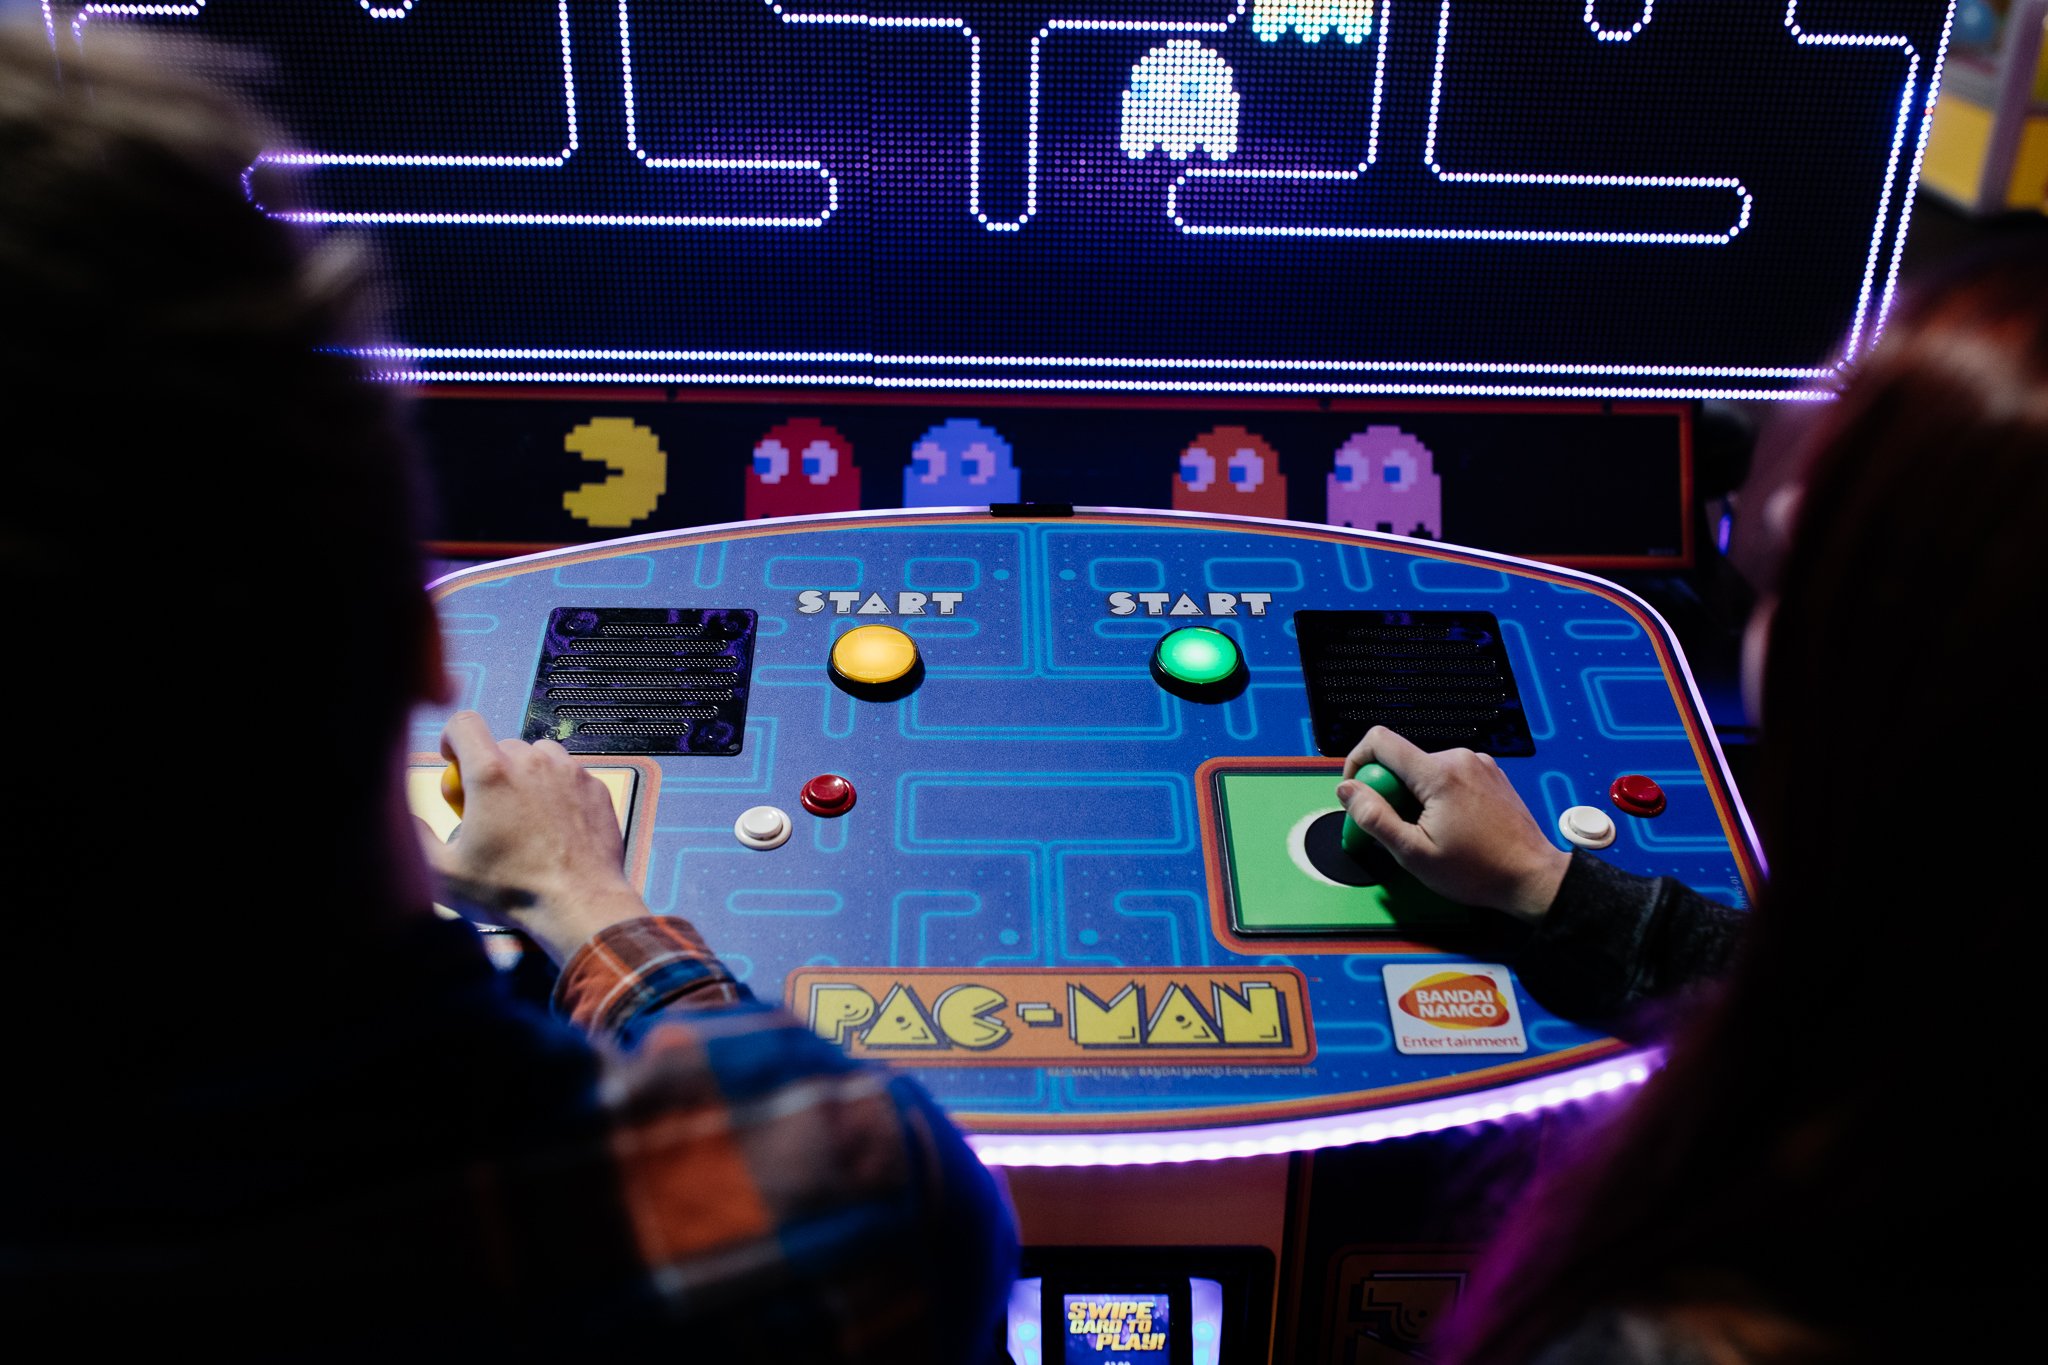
[(761, 1166)]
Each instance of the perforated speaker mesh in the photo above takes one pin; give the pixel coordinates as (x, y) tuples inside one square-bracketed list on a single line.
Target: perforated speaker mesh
[(643, 680), (1439, 678)]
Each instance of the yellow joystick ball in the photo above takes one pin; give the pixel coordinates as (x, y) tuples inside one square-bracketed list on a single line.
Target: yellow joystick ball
[(451, 788), (874, 656)]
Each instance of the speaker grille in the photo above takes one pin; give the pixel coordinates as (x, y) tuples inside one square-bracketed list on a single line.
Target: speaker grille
[(643, 680), (1439, 678)]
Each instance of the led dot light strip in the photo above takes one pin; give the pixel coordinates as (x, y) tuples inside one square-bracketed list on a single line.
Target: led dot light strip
[(1605, 1077)]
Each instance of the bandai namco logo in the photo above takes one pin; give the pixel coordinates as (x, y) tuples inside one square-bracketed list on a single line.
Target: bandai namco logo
[(1464, 1007), (1456, 1000)]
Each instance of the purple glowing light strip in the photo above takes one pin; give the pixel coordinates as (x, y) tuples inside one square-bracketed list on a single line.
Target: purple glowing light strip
[(1304, 1135)]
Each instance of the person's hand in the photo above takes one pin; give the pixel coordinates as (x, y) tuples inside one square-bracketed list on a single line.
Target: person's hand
[(539, 841), (1475, 842)]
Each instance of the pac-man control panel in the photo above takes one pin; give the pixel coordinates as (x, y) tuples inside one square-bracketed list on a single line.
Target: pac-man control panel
[(1041, 808)]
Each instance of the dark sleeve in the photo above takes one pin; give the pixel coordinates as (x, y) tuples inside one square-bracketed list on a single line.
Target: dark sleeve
[(1612, 941)]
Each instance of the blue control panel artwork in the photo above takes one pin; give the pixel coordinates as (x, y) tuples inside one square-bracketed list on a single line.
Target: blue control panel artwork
[(1478, 197), (1013, 884)]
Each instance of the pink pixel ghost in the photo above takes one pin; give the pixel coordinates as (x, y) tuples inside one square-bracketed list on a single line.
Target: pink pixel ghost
[(1386, 480)]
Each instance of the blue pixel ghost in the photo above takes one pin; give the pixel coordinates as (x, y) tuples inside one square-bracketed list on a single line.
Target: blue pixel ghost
[(959, 463)]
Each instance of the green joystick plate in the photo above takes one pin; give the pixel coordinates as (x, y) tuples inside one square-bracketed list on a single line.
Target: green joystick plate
[(1397, 795)]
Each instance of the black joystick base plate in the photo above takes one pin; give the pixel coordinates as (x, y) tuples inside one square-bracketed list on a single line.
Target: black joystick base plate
[(1323, 841)]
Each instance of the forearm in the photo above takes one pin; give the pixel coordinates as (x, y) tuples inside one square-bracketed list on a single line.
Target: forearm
[(1612, 940)]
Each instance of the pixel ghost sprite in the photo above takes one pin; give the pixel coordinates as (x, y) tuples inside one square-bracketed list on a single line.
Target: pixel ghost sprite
[(801, 468), (959, 463), (1180, 97), (1386, 480), (1230, 469)]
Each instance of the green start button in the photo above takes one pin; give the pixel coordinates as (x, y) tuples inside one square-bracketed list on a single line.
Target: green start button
[(1199, 664), (1197, 654)]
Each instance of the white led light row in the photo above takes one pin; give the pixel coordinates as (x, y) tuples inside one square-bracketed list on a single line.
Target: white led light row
[(641, 220), (599, 377), (288, 158), (1095, 362), (1618, 35), (386, 159), (1745, 200), (1353, 366), (85, 12), (1429, 157), (1906, 107), (974, 205), (667, 163), (1304, 1135), (545, 353), (1417, 390), (1106, 385), (186, 11)]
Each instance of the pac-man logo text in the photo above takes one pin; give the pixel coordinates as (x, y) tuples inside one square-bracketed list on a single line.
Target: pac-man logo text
[(1049, 1016)]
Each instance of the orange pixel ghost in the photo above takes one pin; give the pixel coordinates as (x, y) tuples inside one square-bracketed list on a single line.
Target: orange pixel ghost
[(801, 468), (1230, 469)]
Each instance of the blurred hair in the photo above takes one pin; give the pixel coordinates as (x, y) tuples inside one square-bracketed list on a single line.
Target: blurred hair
[(1836, 1143), (208, 543)]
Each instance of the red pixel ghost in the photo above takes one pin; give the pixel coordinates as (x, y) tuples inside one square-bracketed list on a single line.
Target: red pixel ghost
[(800, 468), (1230, 469)]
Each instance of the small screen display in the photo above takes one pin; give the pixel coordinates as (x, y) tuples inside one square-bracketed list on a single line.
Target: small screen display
[(1116, 1329)]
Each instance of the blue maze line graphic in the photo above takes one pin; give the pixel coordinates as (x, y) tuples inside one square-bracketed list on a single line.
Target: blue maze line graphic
[(1742, 206), (720, 165), (1000, 817), (1227, 15), (1607, 708), (808, 177), (1618, 35), (1190, 915), (903, 904), (1444, 230), (1188, 221), (1529, 682)]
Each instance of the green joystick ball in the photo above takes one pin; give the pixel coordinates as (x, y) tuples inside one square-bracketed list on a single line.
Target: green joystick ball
[(1397, 795)]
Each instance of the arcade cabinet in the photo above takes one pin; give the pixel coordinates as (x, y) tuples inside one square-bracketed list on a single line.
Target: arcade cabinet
[(1037, 803), (964, 477)]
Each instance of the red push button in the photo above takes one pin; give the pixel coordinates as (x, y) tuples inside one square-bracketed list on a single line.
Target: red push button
[(1637, 795), (831, 794)]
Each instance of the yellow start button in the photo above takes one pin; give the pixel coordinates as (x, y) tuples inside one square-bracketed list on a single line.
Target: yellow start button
[(874, 656)]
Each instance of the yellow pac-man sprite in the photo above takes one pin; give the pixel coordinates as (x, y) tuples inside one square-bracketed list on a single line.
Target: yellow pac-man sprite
[(638, 472)]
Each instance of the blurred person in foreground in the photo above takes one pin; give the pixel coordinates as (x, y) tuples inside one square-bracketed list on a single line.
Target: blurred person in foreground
[(1830, 1164), (262, 1102)]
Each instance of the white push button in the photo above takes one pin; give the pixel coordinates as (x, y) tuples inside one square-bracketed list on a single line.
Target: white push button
[(1586, 827), (762, 827)]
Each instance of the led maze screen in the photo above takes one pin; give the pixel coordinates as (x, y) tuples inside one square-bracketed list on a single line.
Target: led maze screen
[(1477, 198)]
